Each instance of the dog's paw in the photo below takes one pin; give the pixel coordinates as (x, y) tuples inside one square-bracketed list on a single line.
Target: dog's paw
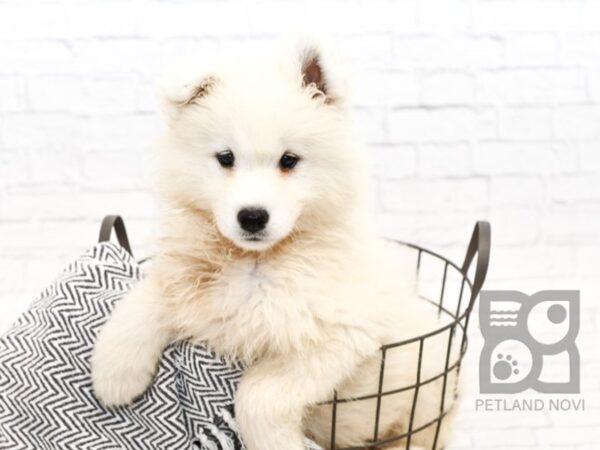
[(119, 372)]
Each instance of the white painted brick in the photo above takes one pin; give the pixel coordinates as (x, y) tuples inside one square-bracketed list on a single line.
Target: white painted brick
[(385, 88), (487, 123), (174, 49), (535, 49), (48, 166), (589, 155), (33, 56), (443, 88), (515, 226), (36, 131), (540, 15), (586, 447), (422, 124), (19, 20), (560, 437), (14, 169), (72, 93), (444, 17), (371, 124), (333, 17), (13, 283), (440, 124), (574, 189), (589, 380), (114, 55), (568, 225), (64, 132), (517, 191), (461, 439), (102, 19), (146, 100), (580, 49), (590, 10), (209, 18), (577, 121), (516, 157), (110, 170), (526, 123), (501, 439), (365, 52), (56, 205), (434, 195), (444, 160), (13, 95), (448, 52), (129, 131), (290, 16), (593, 79), (542, 262), (532, 86), (393, 161)]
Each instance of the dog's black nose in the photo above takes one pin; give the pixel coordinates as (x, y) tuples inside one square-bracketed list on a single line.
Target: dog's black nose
[(253, 219)]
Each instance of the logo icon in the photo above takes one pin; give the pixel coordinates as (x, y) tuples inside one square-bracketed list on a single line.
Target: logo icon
[(529, 342)]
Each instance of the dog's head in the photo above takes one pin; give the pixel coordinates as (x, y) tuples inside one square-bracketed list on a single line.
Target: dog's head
[(261, 143)]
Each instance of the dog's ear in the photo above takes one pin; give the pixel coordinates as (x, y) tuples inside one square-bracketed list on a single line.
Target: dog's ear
[(320, 74), (183, 86), (312, 72)]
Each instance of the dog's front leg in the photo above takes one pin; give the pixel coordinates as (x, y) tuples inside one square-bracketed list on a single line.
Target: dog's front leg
[(129, 345), (274, 393)]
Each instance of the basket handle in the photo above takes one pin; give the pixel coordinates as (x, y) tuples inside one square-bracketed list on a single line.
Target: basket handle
[(114, 222), (481, 241)]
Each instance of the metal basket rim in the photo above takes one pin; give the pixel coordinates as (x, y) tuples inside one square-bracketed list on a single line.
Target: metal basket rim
[(457, 318)]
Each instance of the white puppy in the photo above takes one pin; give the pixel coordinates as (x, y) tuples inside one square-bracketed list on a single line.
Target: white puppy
[(268, 256)]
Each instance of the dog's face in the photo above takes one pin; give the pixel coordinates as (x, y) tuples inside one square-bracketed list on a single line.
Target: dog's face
[(262, 145)]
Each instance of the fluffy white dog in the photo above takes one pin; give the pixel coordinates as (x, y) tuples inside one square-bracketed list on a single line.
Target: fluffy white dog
[(268, 256)]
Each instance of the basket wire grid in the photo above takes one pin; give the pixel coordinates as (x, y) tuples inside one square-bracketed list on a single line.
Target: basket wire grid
[(479, 246), (458, 317)]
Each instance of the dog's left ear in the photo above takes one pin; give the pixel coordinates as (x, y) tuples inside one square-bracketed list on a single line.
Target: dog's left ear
[(183, 85), (320, 74)]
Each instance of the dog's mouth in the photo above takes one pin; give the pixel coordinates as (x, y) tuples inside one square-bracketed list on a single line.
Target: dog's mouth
[(254, 241), (255, 237)]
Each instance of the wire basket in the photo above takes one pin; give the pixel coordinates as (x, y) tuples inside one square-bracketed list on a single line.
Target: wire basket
[(453, 300)]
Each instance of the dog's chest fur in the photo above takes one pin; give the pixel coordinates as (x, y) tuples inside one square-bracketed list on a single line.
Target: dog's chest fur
[(249, 283), (255, 309)]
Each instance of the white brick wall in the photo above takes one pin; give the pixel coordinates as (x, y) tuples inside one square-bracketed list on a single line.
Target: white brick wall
[(471, 109)]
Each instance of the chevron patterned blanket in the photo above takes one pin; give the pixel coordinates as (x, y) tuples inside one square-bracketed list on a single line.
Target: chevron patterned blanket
[(46, 397)]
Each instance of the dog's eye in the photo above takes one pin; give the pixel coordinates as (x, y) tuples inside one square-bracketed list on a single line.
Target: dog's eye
[(226, 158), (288, 161)]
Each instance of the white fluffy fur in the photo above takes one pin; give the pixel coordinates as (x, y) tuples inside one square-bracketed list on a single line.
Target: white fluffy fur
[(308, 306)]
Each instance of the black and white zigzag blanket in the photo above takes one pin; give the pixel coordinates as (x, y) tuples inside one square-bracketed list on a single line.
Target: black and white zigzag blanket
[(46, 396)]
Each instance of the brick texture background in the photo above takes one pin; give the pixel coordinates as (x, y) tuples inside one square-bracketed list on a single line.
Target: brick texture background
[(470, 109)]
